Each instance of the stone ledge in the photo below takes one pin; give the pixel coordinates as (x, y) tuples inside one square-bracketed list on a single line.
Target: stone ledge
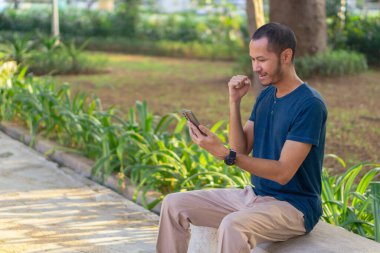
[(79, 164), (324, 238)]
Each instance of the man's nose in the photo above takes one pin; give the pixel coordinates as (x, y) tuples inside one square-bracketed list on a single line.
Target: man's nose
[(256, 66)]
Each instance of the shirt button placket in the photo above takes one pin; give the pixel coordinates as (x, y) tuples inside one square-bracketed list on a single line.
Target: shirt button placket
[(274, 104)]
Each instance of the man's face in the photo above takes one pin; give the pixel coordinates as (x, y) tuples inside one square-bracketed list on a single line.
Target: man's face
[(265, 64)]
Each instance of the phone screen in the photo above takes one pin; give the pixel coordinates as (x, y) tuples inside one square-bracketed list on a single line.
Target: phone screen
[(189, 115)]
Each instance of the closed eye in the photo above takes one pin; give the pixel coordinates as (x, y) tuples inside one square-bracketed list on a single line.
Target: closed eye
[(259, 59)]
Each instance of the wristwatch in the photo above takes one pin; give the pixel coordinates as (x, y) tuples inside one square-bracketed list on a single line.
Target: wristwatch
[(231, 158)]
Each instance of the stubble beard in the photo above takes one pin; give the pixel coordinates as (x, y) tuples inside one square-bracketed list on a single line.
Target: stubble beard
[(275, 77), (278, 73)]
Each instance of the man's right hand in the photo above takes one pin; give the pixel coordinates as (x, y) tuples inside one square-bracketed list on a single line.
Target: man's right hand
[(238, 86)]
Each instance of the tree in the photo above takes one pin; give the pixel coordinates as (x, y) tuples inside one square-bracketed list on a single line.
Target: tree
[(16, 4), (127, 13), (255, 19), (308, 21), (55, 19), (255, 15)]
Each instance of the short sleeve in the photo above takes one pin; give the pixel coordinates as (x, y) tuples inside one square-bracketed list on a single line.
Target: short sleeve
[(309, 123)]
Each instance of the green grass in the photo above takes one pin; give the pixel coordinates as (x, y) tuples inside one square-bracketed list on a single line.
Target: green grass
[(167, 84), (172, 84)]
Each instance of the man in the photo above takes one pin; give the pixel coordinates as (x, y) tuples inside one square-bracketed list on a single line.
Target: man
[(286, 132)]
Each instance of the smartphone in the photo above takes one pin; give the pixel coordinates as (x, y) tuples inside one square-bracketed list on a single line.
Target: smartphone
[(189, 115)]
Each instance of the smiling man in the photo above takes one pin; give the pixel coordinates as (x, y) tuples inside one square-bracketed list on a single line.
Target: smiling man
[(286, 135)]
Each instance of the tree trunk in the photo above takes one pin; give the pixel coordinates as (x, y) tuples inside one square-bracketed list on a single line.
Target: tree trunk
[(255, 19), (255, 15), (55, 19), (308, 21), (16, 4)]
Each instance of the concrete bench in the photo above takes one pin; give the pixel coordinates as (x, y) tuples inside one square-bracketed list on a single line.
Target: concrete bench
[(325, 238)]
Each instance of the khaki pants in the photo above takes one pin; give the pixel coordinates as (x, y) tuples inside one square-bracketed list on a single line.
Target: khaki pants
[(242, 219)]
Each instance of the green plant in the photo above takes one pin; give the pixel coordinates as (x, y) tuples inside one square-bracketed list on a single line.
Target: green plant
[(331, 63), (347, 200), (375, 194), (9, 88), (356, 33), (48, 43), (127, 17), (192, 49), (363, 35), (46, 55), (75, 22), (334, 63), (207, 35), (76, 56), (7, 70), (17, 48)]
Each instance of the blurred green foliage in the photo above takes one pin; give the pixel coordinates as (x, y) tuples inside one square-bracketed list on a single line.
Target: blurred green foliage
[(188, 26), (353, 32), (362, 34), (216, 36), (330, 63), (184, 27), (190, 49), (75, 22), (47, 55)]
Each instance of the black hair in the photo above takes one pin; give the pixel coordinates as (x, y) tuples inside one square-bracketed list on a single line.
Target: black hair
[(280, 37)]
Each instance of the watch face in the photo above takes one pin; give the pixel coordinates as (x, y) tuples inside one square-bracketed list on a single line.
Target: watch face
[(231, 158), (229, 161)]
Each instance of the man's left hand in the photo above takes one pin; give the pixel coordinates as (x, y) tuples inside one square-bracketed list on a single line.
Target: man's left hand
[(211, 142)]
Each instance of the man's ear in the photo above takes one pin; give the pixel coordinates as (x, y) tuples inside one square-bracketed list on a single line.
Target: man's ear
[(286, 56)]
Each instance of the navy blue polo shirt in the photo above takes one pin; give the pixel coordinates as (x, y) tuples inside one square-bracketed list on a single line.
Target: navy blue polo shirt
[(298, 116)]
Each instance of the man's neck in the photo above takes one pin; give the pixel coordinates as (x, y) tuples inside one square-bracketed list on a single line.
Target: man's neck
[(288, 83)]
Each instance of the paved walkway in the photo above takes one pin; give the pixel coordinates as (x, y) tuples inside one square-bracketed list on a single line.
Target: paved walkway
[(44, 208)]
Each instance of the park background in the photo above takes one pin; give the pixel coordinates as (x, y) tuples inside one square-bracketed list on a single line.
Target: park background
[(106, 80)]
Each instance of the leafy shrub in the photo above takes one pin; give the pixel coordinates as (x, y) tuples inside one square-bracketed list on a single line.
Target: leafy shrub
[(334, 63), (126, 17), (222, 29), (185, 27), (73, 21), (359, 33), (363, 35), (188, 26), (191, 49), (17, 48), (25, 20), (347, 200), (46, 55)]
